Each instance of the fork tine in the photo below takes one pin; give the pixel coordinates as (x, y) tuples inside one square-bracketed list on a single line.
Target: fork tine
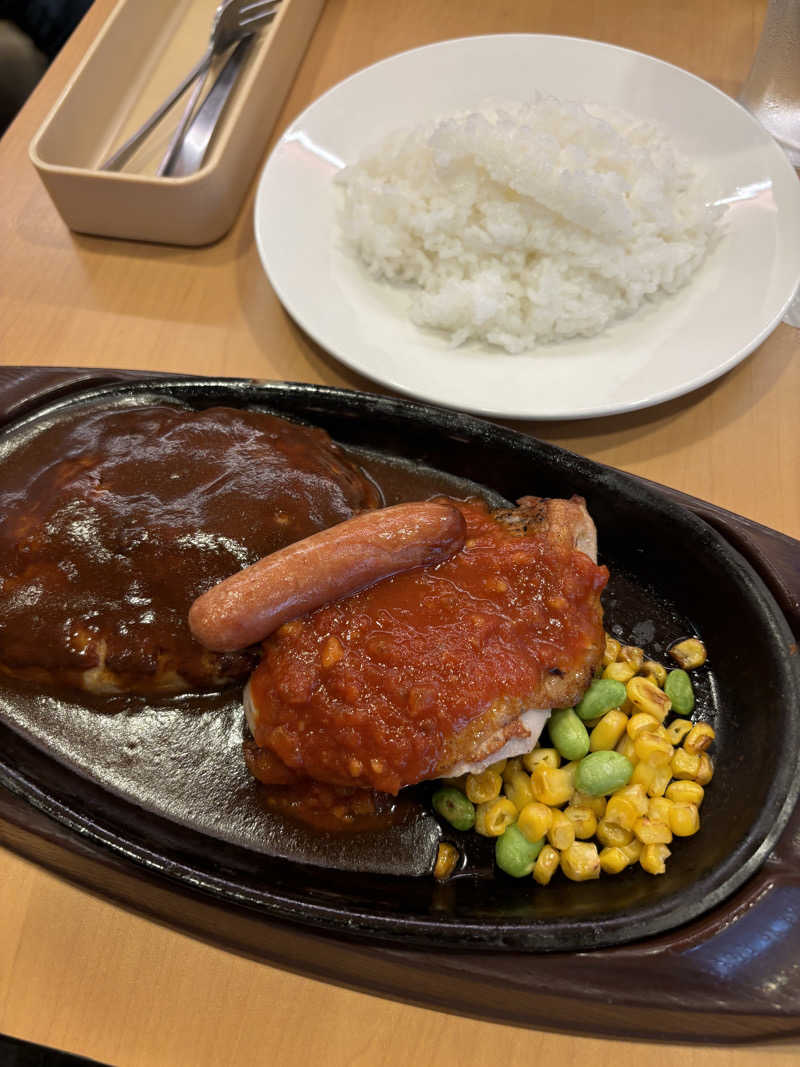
[(254, 22), (257, 9), (258, 17)]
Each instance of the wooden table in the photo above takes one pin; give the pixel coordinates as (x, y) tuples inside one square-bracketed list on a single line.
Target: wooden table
[(87, 976)]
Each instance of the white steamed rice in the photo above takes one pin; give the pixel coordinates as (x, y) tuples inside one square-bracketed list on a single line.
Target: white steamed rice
[(527, 223)]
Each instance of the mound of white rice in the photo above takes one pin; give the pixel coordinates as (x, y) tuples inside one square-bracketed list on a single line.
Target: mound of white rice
[(526, 223)]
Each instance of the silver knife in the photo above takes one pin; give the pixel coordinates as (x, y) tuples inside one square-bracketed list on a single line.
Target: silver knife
[(189, 157)]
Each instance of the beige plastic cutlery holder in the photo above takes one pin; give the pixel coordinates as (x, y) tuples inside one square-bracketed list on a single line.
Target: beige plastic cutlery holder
[(144, 50)]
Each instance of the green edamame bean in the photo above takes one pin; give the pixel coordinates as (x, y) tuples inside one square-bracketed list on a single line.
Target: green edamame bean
[(602, 772), (601, 696), (678, 688), (568, 734), (514, 853), (452, 805)]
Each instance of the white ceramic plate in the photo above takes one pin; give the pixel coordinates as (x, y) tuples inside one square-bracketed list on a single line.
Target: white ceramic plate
[(669, 348)]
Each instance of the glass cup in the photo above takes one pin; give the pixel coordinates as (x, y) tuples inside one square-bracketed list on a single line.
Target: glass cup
[(772, 89)]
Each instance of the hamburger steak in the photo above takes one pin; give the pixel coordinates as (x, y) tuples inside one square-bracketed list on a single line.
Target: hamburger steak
[(112, 522), (439, 670)]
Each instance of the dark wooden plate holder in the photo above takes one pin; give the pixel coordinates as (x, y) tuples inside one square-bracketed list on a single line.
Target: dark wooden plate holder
[(729, 977)]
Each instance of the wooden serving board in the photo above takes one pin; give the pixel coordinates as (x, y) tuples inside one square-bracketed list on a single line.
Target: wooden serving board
[(701, 982)]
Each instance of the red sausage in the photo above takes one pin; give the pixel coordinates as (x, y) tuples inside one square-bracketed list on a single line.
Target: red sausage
[(326, 566)]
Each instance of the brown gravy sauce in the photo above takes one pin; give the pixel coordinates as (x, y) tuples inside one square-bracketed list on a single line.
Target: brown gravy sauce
[(113, 522)]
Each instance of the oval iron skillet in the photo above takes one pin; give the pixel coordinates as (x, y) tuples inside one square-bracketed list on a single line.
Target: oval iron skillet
[(672, 575)]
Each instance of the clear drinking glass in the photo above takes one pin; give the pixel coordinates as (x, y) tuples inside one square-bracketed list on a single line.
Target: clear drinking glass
[(772, 89)]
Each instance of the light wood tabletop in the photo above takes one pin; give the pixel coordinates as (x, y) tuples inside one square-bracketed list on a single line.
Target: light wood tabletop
[(88, 976)]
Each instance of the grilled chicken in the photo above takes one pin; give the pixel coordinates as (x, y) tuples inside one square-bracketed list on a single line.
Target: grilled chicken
[(441, 670)]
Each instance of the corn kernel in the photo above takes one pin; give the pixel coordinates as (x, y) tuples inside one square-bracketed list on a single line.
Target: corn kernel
[(493, 817), (622, 811), (651, 831), (699, 738), (653, 858), (646, 696), (660, 780), (636, 794), (640, 722), (686, 792), (656, 672), (685, 764), (580, 862), (632, 655), (550, 756), (658, 808), (626, 805), (535, 820), (633, 849), (546, 865), (608, 732), (595, 804), (611, 650), (684, 820), (705, 772), (498, 767), (625, 747), (678, 729), (550, 785), (652, 777), (653, 749), (584, 821), (613, 860), (446, 860), (561, 833), (689, 653), (483, 787), (513, 766), (620, 672), (518, 789), (612, 835), (643, 775)]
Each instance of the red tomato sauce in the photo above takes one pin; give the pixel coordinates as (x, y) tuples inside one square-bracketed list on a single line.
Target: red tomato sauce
[(366, 691)]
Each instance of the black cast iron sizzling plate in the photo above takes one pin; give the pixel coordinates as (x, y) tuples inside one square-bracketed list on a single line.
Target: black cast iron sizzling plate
[(674, 574)]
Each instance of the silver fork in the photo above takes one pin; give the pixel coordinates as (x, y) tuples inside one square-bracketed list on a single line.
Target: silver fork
[(194, 144), (233, 21)]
